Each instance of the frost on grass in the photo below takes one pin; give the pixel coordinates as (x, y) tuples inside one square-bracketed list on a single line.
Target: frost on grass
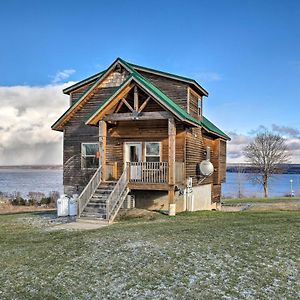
[(198, 256)]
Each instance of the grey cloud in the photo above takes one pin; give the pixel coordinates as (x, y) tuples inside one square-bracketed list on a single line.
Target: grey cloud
[(234, 154), (260, 128), (26, 116), (285, 130)]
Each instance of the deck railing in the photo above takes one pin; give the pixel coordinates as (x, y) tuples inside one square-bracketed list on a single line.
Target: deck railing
[(88, 191), (148, 172), (117, 196)]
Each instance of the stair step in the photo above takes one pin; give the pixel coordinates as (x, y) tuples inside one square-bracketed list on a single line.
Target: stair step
[(98, 201), (99, 198), (93, 215), (95, 209), (103, 191)]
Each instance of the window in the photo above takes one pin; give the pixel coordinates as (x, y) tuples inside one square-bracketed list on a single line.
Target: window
[(200, 106), (152, 152), (89, 159)]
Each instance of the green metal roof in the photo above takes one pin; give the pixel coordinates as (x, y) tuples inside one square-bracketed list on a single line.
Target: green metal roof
[(133, 66), (213, 128), (190, 80), (170, 104)]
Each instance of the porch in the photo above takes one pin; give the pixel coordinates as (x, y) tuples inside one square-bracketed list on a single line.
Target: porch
[(147, 175)]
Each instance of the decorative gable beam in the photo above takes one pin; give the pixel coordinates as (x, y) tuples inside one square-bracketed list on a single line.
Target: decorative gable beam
[(136, 99), (144, 104), (127, 104)]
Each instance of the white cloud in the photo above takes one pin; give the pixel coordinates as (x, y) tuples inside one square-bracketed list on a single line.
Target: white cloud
[(62, 75), (26, 116)]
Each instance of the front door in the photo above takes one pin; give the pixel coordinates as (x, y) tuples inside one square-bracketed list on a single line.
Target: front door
[(133, 155)]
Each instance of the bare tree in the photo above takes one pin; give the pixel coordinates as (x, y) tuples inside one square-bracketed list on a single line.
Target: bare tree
[(267, 154)]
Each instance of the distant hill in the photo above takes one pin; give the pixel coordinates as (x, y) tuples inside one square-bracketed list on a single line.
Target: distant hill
[(36, 167), (246, 168)]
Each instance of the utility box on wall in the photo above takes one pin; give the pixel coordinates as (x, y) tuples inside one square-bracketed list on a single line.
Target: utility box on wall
[(199, 198)]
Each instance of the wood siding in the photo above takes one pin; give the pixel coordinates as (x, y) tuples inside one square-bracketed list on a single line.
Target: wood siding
[(193, 104), (196, 145), (75, 133), (174, 89), (75, 95)]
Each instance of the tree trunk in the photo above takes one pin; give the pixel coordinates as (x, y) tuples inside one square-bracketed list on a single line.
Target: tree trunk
[(266, 188)]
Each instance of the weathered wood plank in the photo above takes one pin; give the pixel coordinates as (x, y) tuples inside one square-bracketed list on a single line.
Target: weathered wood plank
[(158, 115)]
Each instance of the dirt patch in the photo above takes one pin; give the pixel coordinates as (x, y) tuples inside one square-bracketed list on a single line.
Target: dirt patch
[(236, 207), (134, 213)]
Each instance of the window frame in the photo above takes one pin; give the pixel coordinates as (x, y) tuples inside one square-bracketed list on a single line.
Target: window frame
[(160, 150), (84, 156), (199, 106)]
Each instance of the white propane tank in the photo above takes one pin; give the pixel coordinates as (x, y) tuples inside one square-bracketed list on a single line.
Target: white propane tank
[(73, 205), (63, 206)]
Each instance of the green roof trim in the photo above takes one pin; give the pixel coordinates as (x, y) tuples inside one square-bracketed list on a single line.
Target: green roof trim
[(190, 80), (83, 82), (213, 128)]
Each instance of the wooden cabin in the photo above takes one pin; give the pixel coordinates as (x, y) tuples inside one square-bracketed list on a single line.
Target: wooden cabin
[(138, 135)]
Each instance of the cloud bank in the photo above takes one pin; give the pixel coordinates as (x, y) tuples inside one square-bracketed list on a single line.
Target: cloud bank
[(240, 141), (26, 115)]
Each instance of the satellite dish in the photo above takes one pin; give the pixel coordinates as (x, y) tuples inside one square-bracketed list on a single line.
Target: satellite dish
[(206, 168)]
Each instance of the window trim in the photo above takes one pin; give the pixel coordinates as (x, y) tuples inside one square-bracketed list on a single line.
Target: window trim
[(83, 156), (160, 150)]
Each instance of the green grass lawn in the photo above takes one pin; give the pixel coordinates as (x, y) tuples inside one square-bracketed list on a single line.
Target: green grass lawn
[(203, 255), (260, 200)]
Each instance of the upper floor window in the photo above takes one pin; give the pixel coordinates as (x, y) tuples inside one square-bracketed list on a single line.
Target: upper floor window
[(199, 106), (89, 155)]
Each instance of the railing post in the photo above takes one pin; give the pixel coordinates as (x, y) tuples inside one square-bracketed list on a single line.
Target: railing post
[(172, 142), (102, 147)]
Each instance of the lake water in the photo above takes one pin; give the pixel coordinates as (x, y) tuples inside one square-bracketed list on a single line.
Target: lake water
[(279, 185), (31, 180), (45, 181)]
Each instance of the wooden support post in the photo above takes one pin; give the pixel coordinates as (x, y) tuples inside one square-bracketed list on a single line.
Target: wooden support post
[(136, 99), (102, 148), (172, 149)]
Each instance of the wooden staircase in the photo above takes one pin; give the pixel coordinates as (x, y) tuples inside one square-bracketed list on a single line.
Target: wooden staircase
[(102, 200), (96, 207)]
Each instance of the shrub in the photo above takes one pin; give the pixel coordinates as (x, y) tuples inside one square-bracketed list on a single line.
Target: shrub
[(45, 201), (18, 201)]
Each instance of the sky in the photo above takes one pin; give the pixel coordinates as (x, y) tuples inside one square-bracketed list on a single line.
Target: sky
[(245, 53)]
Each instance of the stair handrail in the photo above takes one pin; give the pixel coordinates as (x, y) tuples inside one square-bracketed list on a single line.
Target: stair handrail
[(115, 196), (89, 191)]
